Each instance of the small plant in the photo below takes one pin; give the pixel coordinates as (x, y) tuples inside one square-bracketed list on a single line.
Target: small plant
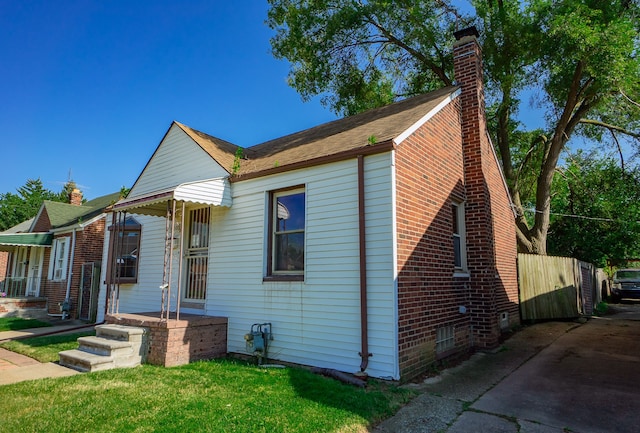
[(372, 139), (236, 161), (601, 309), (3, 294)]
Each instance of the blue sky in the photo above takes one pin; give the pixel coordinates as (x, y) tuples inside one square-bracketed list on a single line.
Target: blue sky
[(90, 87)]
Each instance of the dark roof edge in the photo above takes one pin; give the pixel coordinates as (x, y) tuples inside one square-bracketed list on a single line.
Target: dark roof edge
[(384, 146)]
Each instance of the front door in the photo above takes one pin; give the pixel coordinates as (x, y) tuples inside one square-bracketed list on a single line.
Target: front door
[(197, 256), (35, 271)]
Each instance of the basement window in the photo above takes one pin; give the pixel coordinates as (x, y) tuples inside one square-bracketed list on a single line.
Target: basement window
[(445, 339)]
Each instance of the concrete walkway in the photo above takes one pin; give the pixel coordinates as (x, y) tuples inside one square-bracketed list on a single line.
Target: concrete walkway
[(17, 368), (551, 377)]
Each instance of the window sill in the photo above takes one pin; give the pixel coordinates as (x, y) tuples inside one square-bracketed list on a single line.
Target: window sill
[(271, 278), (461, 274)]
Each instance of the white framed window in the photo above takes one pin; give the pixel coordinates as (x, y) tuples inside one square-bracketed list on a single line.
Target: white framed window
[(286, 243), (459, 237), (59, 259)]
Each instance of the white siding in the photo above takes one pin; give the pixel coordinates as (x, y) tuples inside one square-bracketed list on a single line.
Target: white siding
[(315, 322), (177, 160)]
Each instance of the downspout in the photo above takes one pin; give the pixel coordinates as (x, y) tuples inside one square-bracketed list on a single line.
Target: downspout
[(364, 319)]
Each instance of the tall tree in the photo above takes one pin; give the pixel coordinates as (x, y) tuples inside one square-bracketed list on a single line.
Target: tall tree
[(579, 57), (16, 208), (596, 210)]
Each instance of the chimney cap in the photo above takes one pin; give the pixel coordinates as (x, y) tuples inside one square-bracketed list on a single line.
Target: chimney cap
[(469, 31)]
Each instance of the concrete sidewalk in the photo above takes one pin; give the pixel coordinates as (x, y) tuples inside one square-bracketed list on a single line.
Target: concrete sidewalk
[(17, 368), (443, 405)]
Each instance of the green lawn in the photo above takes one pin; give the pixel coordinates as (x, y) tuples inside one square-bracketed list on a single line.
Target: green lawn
[(17, 323), (47, 347), (212, 396)]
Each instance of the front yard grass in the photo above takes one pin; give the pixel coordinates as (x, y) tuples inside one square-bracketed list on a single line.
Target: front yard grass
[(213, 396), (45, 348), (18, 323)]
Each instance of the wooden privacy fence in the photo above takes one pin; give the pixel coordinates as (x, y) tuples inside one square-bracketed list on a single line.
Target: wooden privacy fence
[(557, 287)]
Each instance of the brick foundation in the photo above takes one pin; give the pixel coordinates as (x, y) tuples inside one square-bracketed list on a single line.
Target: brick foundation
[(32, 308), (178, 342)]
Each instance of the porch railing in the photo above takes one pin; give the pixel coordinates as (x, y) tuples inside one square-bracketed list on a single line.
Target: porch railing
[(18, 287)]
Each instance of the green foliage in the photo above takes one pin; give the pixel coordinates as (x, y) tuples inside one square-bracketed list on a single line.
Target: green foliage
[(16, 208), (18, 323), (578, 58), (596, 210), (360, 55), (215, 396), (236, 160), (47, 347)]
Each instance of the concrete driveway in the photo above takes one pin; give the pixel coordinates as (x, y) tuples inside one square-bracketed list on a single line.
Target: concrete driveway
[(553, 377)]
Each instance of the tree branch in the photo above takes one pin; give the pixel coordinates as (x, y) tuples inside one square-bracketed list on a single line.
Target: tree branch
[(610, 127), (415, 53)]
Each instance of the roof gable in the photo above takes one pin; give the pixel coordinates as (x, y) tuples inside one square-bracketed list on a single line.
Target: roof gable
[(56, 215), (184, 155)]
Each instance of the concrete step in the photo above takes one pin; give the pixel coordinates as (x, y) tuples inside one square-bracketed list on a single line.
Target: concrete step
[(105, 347), (85, 361), (114, 346), (120, 332)]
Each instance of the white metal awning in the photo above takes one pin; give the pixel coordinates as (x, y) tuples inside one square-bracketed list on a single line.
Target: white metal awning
[(211, 192)]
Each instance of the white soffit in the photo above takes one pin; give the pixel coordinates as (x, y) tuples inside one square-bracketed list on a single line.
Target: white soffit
[(400, 138), (210, 192)]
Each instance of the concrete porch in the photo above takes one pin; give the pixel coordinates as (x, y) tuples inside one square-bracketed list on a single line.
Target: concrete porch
[(176, 342)]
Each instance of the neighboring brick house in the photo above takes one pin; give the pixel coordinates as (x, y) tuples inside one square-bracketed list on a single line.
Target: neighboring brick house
[(56, 252), (380, 242)]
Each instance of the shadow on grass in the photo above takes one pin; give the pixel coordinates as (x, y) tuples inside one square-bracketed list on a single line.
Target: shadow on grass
[(377, 401)]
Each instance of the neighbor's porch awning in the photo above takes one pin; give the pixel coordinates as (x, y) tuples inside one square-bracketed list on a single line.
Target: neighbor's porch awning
[(9, 241), (212, 192)]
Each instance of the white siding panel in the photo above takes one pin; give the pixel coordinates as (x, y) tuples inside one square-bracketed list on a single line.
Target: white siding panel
[(315, 322), (178, 159)]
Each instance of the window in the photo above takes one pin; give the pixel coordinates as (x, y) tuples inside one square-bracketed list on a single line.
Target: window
[(287, 226), (445, 339), (58, 261), (459, 243), (197, 255), (126, 245)]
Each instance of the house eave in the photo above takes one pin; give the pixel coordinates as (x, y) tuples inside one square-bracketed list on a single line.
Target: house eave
[(385, 146)]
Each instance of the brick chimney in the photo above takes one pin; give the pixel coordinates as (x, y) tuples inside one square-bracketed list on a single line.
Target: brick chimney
[(467, 61), (75, 197)]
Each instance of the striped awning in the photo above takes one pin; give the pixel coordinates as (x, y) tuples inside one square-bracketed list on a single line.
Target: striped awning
[(211, 192), (9, 241)]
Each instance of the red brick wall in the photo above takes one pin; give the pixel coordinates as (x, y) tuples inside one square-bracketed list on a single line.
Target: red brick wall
[(450, 160), (4, 263), (88, 248), (429, 178), (42, 224), (491, 242), (178, 342)]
